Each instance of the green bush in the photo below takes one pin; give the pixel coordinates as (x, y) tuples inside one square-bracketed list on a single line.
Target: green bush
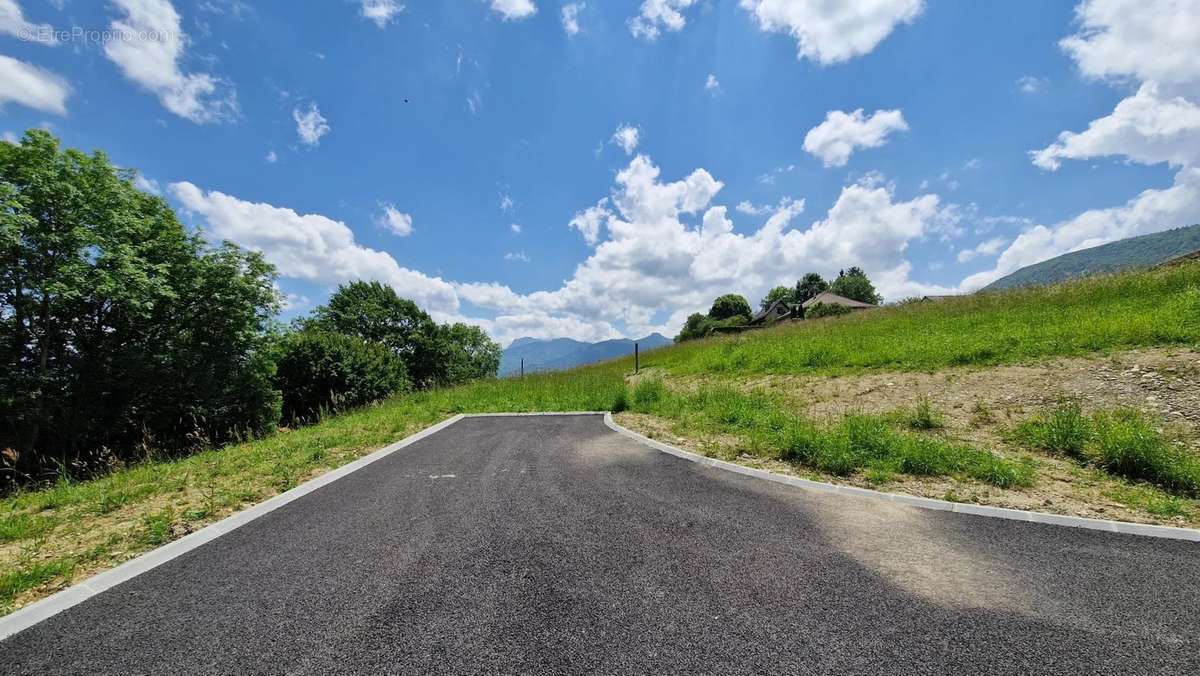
[(823, 310), (322, 372)]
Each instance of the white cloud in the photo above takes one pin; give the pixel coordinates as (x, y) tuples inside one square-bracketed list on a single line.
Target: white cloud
[(309, 246), (651, 266), (9, 137), (31, 86), (517, 256), (1144, 40), (380, 11), (506, 203), (12, 21), (989, 247), (147, 185), (1147, 127), (272, 157), (310, 125), (835, 139), (589, 221), (1031, 84), (1151, 211), (711, 84), (514, 10), (655, 15), (153, 62), (749, 208), (570, 17), (626, 137), (397, 221), (830, 32), (516, 228)]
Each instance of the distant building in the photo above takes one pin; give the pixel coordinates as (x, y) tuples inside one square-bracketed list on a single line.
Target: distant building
[(831, 298), (777, 311)]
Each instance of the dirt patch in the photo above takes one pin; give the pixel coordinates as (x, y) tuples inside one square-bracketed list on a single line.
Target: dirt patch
[(979, 406)]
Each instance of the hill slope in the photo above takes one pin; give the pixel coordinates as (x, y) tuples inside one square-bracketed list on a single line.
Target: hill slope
[(1136, 252), (564, 353)]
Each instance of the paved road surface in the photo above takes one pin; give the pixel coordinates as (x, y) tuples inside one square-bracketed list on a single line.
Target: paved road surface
[(551, 544)]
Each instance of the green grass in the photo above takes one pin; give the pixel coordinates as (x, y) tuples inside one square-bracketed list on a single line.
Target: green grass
[(130, 510), (1121, 441), (1121, 311), (855, 442)]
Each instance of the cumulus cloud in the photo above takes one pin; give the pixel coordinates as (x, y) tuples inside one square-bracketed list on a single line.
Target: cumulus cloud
[(13, 22), (711, 84), (835, 139), (310, 125), (514, 10), (989, 247), (662, 250), (309, 246), (154, 63), (1143, 40), (1147, 127), (397, 221), (380, 11), (271, 157), (570, 17), (656, 15), (626, 137), (31, 86), (830, 32), (516, 228)]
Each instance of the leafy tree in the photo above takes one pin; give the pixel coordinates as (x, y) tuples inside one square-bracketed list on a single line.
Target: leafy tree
[(784, 293), (118, 329), (433, 355), (464, 352), (809, 287), (324, 372), (374, 312), (729, 305), (853, 283), (696, 326)]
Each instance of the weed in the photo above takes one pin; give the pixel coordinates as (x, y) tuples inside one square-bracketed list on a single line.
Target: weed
[(1063, 430), (923, 416)]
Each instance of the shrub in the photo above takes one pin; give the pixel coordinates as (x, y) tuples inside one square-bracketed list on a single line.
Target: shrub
[(826, 310), (1063, 430), (1126, 443), (323, 372)]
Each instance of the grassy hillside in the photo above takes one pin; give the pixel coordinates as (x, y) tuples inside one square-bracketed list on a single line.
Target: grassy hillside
[(1136, 252), (62, 533)]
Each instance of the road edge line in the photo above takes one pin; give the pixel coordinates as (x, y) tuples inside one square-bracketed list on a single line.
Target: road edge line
[(36, 612), (1123, 527)]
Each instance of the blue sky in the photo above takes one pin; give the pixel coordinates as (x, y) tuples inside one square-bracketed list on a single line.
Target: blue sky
[(593, 169)]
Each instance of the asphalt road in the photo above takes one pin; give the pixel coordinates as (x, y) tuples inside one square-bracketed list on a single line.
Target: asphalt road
[(551, 545)]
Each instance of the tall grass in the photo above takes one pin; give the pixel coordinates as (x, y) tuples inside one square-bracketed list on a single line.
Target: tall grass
[(1121, 441)]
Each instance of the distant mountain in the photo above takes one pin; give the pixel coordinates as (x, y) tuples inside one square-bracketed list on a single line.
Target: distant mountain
[(564, 353), (1136, 252)]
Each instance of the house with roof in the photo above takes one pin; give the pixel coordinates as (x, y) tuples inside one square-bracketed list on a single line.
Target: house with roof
[(780, 310)]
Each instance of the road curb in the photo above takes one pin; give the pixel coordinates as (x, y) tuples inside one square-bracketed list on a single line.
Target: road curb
[(1123, 527), (52, 605)]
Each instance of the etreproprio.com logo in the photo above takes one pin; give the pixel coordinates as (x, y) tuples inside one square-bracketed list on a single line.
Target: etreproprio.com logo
[(45, 33)]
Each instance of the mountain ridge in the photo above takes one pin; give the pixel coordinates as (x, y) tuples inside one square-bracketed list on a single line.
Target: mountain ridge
[(554, 354)]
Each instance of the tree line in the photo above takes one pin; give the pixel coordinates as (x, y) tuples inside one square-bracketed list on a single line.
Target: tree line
[(125, 336), (733, 310)]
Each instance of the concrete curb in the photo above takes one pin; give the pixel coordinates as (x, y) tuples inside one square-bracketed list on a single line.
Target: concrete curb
[(76, 594), (1124, 527)]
